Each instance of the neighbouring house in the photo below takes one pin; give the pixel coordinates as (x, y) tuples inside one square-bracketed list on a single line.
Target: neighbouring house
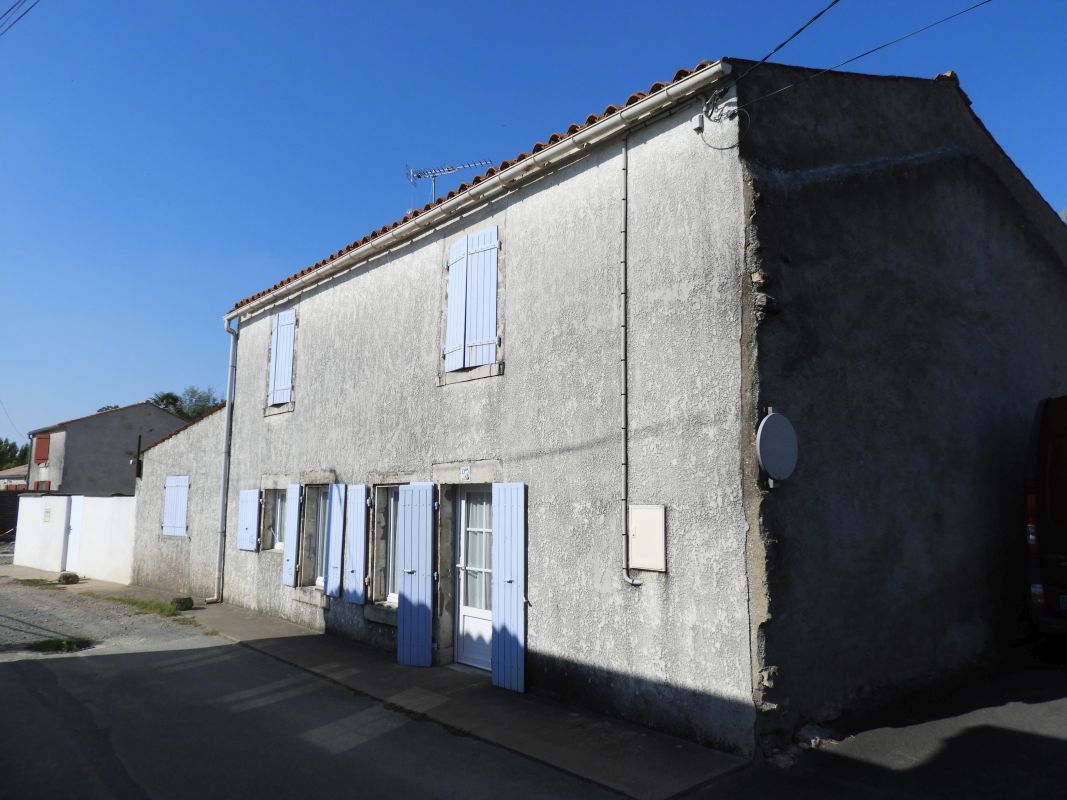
[(613, 517), (13, 478), (95, 455)]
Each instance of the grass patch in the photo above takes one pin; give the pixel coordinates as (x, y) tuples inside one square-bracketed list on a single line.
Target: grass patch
[(60, 645), (186, 620), (38, 583), (159, 607)]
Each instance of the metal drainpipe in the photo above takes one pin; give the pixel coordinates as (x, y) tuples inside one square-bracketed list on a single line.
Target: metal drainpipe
[(623, 371), (225, 488)]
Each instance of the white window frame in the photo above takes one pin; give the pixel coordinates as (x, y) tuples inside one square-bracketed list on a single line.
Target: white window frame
[(382, 562), (313, 542), (272, 523)]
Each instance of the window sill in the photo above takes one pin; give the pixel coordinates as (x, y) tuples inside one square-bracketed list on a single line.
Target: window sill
[(174, 537), (312, 595), (381, 612), (472, 374), (283, 408)]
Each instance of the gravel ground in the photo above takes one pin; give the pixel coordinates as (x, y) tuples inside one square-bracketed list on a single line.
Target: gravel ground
[(7, 552), (30, 614)]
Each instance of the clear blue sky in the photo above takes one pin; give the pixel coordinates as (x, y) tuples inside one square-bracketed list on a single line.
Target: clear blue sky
[(161, 160)]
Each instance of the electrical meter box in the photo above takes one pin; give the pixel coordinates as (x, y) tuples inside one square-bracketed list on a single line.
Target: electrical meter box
[(647, 540)]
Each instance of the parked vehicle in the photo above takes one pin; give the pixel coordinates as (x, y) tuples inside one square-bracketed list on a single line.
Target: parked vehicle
[(1046, 517)]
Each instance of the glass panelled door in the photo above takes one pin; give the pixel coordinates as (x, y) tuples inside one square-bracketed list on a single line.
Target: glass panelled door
[(474, 584)]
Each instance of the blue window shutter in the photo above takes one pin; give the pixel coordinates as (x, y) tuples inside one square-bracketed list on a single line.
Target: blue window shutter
[(415, 548), (356, 544), (282, 336), (175, 504), (509, 586), (480, 338), (292, 534), (455, 323), (335, 528), (248, 519)]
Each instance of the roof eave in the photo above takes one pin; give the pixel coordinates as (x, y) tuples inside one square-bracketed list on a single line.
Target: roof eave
[(499, 184)]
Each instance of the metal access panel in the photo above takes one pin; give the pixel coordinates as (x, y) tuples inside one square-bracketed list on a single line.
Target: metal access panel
[(648, 539)]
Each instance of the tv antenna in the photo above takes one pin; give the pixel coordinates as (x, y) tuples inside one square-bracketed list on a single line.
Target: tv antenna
[(433, 174)]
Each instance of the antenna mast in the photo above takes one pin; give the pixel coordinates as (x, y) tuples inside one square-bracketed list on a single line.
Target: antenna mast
[(432, 174)]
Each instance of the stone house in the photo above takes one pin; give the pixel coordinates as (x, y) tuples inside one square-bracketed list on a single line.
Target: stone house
[(598, 520)]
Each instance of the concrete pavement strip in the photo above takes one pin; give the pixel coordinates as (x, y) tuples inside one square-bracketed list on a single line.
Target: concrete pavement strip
[(635, 761)]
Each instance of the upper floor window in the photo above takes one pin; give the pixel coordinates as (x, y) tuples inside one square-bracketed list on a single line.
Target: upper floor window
[(41, 444), (280, 374), (471, 325)]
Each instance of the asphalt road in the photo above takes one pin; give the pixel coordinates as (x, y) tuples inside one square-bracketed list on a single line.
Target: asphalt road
[(159, 710), (998, 733)]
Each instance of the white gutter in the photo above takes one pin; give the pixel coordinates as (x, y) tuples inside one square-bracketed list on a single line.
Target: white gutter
[(502, 182)]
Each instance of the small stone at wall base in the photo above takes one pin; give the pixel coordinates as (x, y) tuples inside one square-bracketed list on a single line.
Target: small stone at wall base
[(182, 603), (68, 577)]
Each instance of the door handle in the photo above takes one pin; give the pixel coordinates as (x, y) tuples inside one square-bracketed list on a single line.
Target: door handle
[(409, 572), (510, 580)]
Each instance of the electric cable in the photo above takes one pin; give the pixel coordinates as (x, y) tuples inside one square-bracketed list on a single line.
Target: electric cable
[(11, 9), (13, 425), (20, 16), (864, 54)]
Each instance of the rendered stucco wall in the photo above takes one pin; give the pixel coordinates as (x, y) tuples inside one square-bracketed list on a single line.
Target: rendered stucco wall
[(183, 564), (106, 541), (920, 284), (368, 408), (41, 541)]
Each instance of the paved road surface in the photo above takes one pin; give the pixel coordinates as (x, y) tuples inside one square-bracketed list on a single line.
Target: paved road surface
[(160, 710)]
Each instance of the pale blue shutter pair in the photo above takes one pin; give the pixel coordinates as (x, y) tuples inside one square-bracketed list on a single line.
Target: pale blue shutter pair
[(415, 553), (341, 516), (470, 329), (175, 503), (282, 337)]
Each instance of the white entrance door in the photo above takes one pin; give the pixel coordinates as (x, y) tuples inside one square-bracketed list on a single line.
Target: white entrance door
[(74, 534), (474, 574)]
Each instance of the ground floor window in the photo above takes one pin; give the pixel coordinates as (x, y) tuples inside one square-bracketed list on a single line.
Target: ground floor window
[(385, 566), (272, 534), (313, 560)]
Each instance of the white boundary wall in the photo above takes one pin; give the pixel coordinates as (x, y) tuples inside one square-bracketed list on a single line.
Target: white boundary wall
[(104, 546)]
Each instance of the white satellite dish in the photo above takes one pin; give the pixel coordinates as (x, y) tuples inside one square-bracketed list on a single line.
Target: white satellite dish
[(776, 446)]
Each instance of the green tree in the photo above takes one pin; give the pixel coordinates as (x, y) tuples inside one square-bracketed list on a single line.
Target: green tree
[(12, 455), (191, 404), (195, 402)]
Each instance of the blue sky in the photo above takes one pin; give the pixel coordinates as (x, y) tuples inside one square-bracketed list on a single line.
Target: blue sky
[(162, 160)]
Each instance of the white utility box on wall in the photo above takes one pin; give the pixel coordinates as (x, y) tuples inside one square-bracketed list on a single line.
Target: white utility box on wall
[(647, 539)]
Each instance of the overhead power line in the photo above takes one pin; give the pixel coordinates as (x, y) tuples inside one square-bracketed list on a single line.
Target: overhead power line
[(15, 8), (792, 36), (866, 53), (13, 425), (11, 10)]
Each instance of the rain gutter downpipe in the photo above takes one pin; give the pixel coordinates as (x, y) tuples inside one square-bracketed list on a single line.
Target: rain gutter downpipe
[(624, 377), (231, 383)]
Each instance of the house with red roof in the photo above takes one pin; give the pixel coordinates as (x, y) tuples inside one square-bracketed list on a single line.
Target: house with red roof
[(707, 411)]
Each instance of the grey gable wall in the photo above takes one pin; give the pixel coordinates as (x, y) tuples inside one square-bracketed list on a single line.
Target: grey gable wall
[(367, 408), (184, 564), (97, 449), (921, 285)]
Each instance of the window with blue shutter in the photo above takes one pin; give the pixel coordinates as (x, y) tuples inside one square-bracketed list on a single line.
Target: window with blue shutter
[(509, 586), (292, 536), (335, 526), (356, 544), (175, 505), (471, 322), (282, 337), (248, 520)]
